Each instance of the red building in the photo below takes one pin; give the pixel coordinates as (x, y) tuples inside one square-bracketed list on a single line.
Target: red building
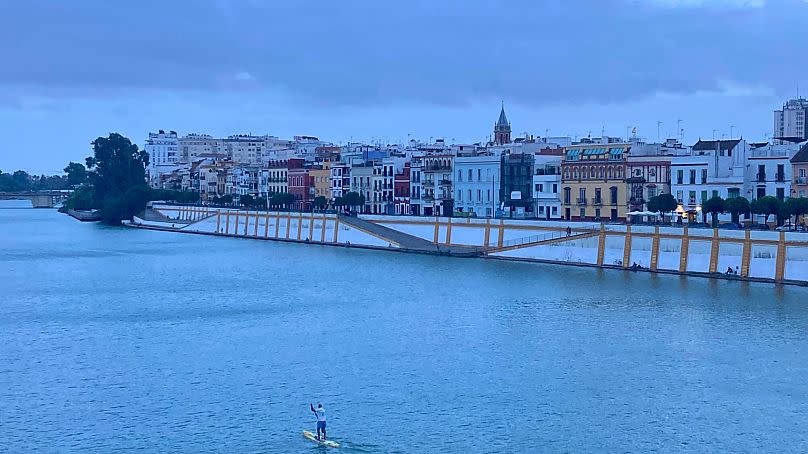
[(401, 190), (301, 184)]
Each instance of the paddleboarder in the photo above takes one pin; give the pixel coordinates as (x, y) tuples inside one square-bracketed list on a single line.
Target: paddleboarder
[(320, 414)]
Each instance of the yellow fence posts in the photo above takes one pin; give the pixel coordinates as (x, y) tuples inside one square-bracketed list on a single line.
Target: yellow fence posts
[(601, 244), (780, 264), (655, 250), (685, 251), (627, 247), (714, 249), (746, 256)]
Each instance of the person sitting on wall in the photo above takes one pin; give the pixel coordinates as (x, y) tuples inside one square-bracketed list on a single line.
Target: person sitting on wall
[(729, 270)]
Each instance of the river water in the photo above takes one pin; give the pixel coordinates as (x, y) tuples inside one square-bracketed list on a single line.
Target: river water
[(116, 339)]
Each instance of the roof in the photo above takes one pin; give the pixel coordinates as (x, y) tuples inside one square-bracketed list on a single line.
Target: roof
[(722, 145), (503, 120), (802, 155)]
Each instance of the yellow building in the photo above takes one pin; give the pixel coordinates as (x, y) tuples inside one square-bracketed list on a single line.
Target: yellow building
[(593, 181), (322, 182)]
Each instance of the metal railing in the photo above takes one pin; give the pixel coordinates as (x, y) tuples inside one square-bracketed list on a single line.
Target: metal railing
[(543, 237), (580, 201)]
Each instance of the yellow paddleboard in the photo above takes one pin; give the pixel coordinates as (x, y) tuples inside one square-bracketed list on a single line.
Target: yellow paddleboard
[(312, 437)]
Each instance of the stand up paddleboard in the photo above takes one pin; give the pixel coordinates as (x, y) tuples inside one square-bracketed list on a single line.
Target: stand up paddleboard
[(312, 437)]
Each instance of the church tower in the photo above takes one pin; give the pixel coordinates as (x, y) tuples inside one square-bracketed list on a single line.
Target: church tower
[(502, 129)]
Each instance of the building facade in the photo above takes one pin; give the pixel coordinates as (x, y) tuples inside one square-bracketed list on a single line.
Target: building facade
[(436, 180), (476, 184), (401, 190), (594, 182), (789, 122), (547, 184), (516, 184), (799, 170)]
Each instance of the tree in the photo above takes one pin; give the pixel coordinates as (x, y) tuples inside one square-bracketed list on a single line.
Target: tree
[(116, 167), (767, 206), (226, 199), (714, 206), (247, 200), (797, 206), (80, 199), (735, 206), (21, 181), (663, 203), (76, 174), (320, 202), (353, 199)]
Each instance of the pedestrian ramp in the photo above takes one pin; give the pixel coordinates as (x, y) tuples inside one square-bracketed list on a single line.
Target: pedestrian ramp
[(541, 240)]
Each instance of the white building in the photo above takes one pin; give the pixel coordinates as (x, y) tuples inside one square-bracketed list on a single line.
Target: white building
[(769, 171), (416, 188), (245, 148), (163, 150), (714, 168), (547, 184), (476, 184), (192, 146), (789, 122)]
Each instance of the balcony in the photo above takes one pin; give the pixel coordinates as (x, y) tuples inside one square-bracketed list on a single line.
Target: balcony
[(636, 201), (580, 201), (780, 177), (437, 168), (761, 177), (799, 180), (597, 201), (445, 182)]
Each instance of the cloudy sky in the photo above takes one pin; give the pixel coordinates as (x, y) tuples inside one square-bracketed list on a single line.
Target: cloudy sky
[(385, 70)]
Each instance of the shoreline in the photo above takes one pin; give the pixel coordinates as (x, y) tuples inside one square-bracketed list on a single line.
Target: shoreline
[(696, 274)]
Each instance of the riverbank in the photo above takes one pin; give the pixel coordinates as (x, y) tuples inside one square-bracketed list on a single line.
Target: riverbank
[(772, 257)]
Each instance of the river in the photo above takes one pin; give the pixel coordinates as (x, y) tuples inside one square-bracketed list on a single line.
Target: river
[(117, 339)]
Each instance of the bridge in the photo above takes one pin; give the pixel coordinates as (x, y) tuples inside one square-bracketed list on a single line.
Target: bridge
[(39, 199)]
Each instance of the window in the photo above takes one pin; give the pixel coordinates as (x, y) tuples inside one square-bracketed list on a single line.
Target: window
[(703, 196), (459, 195), (597, 195), (679, 176), (567, 195), (555, 189), (469, 193), (541, 209), (691, 199), (582, 212), (581, 195), (613, 194), (479, 174), (802, 173), (555, 210), (781, 193), (541, 187), (597, 213), (488, 196), (471, 176), (459, 175), (538, 188), (703, 176), (715, 193), (733, 192), (761, 192), (692, 176), (479, 195)]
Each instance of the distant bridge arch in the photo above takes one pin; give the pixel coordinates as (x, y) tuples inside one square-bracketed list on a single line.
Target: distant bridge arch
[(39, 199)]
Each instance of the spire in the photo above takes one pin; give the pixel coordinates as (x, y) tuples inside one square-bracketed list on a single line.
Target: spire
[(503, 120)]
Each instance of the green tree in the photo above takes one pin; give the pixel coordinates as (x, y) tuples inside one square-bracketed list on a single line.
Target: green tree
[(260, 203), (115, 167), (735, 206), (766, 206), (76, 174), (80, 199), (796, 206), (320, 202), (662, 203), (226, 199), (714, 206), (353, 200), (21, 181), (247, 200)]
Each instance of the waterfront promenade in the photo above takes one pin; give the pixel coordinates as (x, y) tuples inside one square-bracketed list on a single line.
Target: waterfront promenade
[(751, 255)]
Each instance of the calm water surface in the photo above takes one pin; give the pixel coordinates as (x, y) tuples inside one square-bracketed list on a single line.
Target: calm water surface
[(114, 339)]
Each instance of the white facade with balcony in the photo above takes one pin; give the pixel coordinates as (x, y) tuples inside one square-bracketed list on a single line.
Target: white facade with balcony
[(476, 184), (547, 186), (769, 171)]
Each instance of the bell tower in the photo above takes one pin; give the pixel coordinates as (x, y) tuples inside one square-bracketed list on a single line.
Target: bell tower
[(502, 129)]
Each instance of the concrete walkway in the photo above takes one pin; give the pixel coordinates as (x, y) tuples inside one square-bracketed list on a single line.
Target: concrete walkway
[(407, 241)]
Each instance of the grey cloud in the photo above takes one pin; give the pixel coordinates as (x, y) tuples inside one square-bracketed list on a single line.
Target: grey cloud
[(367, 52)]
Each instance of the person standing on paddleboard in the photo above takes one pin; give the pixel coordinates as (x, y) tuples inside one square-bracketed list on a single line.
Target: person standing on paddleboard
[(320, 414)]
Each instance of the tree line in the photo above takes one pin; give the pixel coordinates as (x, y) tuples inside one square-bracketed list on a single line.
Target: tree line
[(21, 181)]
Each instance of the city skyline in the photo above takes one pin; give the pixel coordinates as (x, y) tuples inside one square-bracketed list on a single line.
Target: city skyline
[(653, 60)]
